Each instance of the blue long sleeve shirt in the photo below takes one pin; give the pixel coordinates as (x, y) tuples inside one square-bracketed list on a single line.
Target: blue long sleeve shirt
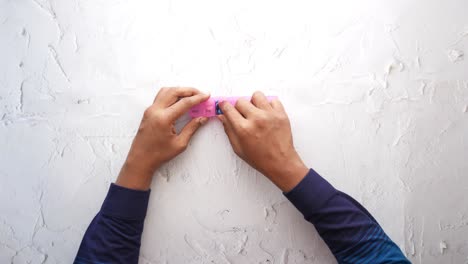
[(349, 230)]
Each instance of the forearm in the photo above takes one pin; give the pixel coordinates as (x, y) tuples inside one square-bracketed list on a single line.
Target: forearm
[(114, 235), (135, 175), (351, 233)]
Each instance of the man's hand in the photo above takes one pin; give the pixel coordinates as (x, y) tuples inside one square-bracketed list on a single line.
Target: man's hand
[(260, 134), (156, 140)]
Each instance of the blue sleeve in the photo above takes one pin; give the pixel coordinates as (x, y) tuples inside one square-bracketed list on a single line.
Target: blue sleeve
[(349, 230), (114, 235)]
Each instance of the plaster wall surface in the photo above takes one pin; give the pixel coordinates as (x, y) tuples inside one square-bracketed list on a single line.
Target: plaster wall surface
[(377, 93)]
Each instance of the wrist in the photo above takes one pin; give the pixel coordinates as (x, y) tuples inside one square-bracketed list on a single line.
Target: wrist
[(289, 174), (136, 175), (141, 163)]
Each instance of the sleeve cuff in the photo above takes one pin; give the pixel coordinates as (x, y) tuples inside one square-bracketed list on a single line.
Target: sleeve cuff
[(311, 193), (125, 203)]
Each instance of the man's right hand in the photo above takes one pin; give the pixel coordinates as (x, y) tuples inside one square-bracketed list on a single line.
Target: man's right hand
[(156, 140), (260, 134)]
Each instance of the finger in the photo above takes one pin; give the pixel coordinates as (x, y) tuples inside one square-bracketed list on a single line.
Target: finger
[(232, 116), (228, 129), (277, 105), (189, 130), (221, 118), (167, 96), (246, 108), (183, 105), (260, 101)]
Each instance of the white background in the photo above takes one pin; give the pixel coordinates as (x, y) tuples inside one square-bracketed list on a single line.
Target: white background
[(377, 93)]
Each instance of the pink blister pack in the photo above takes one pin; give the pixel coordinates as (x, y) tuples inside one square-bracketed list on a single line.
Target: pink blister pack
[(211, 108)]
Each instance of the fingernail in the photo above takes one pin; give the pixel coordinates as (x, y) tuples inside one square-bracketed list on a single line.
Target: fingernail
[(206, 96), (224, 104), (203, 120), (205, 92)]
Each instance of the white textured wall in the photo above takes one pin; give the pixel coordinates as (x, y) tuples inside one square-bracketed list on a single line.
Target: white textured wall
[(377, 92)]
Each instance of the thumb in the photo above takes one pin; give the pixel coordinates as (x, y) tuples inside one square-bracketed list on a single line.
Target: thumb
[(230, 133), (190, 128)]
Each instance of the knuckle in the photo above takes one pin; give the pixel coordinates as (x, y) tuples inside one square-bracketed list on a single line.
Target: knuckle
[(269, 118), (187, 101), (226, 107), (258, 120), (283, 118), (148, 113), (192, 100), (183, 101), (257, 94), (262, 124), (171, 90), (161, 120), (262, 119), (243, 128), (265, 116), (181, 145), (156, 116), (240, 102)]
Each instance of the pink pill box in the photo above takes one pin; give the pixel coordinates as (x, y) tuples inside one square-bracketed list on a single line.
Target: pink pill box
[(211, 108)]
